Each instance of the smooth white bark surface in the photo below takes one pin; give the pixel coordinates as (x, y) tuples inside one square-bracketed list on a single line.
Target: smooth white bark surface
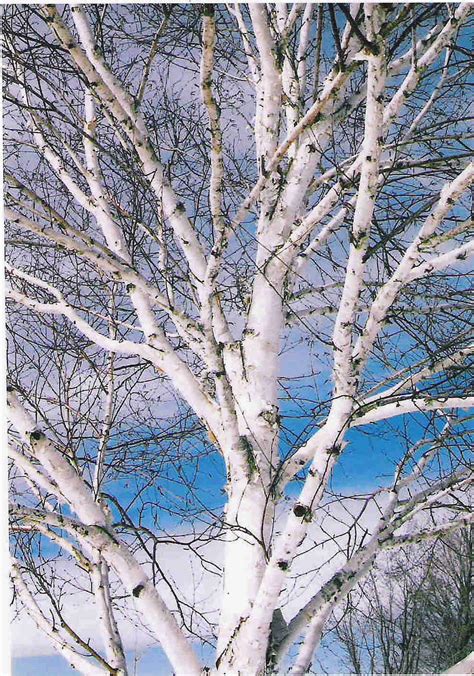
[(201, 271)]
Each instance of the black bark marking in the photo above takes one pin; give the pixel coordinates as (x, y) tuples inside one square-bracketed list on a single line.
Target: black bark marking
[(300, 510), (138, 590)]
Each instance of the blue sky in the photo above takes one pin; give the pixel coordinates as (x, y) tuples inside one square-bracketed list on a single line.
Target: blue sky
[(151, 663), (367, 462)]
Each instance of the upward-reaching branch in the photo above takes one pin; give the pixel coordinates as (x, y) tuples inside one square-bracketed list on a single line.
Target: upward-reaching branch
[(118, 103), (94, 530)]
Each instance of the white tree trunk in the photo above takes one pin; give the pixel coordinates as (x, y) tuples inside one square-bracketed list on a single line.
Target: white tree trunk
[(248, 521)]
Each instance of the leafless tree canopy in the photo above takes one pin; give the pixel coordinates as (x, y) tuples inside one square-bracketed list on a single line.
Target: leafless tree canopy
[(414, 615), (240, 329)]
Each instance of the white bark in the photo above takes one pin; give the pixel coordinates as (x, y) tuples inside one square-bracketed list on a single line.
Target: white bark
[(222, 356), (465, 666), (101, 537), (417, 404), (108, 625), (76, 660)]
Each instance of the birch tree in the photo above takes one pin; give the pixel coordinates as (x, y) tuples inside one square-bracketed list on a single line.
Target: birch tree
[(238, 245)]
